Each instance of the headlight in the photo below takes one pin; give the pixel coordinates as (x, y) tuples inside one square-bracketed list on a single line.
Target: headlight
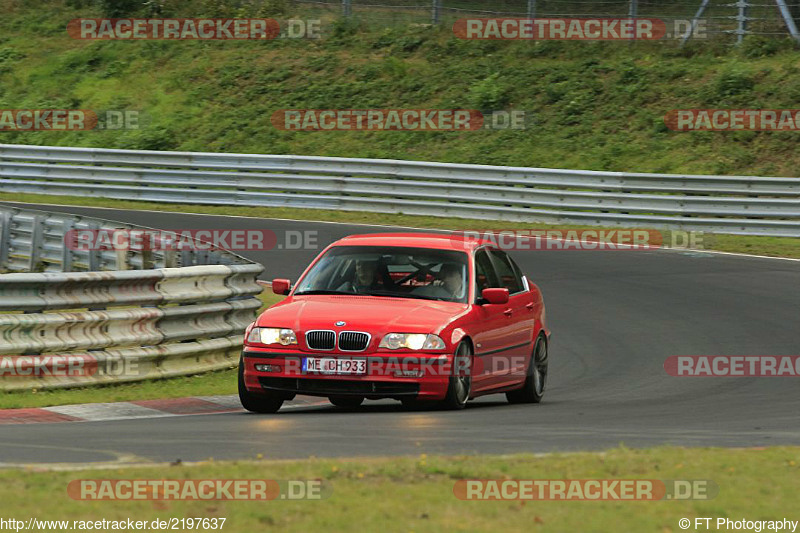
[(412, 341), (272, 336)]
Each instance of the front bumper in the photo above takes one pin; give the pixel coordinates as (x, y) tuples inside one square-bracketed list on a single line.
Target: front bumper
[(407, 375)]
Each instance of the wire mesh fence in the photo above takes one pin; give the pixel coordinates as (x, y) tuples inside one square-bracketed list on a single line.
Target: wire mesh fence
[(734, 18)]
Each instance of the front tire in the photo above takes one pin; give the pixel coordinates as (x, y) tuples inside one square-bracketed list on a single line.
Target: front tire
[(536, 378), (460, 383), (267, 402)]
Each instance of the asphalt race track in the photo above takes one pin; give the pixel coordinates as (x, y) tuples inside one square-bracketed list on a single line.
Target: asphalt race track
[(615, 316)]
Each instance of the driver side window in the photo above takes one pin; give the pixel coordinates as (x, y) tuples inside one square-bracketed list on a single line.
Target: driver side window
[(509, 277)]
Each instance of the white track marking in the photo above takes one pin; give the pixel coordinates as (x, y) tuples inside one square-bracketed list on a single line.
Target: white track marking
[(93, 412)]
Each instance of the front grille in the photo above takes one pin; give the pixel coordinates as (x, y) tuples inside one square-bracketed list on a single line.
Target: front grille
[(325, 387), (353, 341), (321, 339)]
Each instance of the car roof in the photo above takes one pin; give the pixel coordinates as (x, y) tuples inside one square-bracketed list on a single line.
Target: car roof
[(441, 241)]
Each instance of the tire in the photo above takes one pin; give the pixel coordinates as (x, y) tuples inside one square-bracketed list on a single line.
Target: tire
[(266, 402), (460, 383), (346, 402), (536, 378)]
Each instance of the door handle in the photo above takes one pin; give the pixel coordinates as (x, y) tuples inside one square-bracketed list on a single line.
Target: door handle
[(508, 312), (529, 306)]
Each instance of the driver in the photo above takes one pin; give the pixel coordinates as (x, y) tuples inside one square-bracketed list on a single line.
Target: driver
[(365, 279)]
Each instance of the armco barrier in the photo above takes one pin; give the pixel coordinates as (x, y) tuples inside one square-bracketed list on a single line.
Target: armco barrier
[(726, 204), (62, 329)]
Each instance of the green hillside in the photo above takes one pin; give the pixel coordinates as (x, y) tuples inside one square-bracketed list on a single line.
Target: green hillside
[(594, 105)]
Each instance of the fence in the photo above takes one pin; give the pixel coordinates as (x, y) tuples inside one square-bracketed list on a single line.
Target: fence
[(733, 17), (725, 204), (62, 329)]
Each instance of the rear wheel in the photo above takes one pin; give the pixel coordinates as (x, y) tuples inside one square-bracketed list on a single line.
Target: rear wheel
[(266, 402), (536, 379), (460, 383), (346, 402)]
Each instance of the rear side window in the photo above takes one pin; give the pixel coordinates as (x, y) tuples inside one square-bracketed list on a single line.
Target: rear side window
[(507, 271)]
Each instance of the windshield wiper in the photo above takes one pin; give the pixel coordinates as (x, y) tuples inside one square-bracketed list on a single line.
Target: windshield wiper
[(324, 291)]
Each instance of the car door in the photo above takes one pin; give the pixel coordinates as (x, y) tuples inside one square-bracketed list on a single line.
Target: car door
[(522, 319), (492, 329)]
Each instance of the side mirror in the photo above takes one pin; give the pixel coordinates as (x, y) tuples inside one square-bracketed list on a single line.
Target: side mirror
[(495, 296), (281, 286)]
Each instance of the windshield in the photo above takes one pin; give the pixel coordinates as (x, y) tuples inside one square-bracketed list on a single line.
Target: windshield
[(422, 273)]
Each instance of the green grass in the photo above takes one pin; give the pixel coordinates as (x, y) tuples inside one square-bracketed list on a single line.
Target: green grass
[(415, 494), (595, 105), (212, 383), (209, 384), (771, 246)]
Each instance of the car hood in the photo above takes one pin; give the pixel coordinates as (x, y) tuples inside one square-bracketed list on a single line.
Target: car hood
[(371, 314)]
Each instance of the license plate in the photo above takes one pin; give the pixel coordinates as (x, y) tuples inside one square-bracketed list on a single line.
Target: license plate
[(334, 365)]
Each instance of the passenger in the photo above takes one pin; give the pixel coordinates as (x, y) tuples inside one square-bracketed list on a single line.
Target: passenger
[(451, 287)]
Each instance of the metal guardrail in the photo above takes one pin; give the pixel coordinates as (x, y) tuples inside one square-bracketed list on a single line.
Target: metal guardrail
[(92, 327), (33, 241), (725, 204)]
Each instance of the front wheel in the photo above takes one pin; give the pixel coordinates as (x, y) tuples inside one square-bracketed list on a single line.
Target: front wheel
[(460, 383), (268, 402), (533, 389)]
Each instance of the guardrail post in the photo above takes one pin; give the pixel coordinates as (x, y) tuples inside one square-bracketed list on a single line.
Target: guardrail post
[(170, 253), (347, 8), (147, 259), (94, 253), (633, 9), (66, 251), (36, 244), (5, 238), (436, 11), (531, 9), (186, 258)]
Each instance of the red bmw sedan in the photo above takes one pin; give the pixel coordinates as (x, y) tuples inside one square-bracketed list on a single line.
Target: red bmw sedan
[(421, 318)]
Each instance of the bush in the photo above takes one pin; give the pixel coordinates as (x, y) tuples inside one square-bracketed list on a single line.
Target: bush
[(733, 83), (158, 138), (489, 94), (119, 8)]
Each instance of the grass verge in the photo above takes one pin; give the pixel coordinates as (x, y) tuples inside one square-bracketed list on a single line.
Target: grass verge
[(210, 384), (771, 246), (416, 493)]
